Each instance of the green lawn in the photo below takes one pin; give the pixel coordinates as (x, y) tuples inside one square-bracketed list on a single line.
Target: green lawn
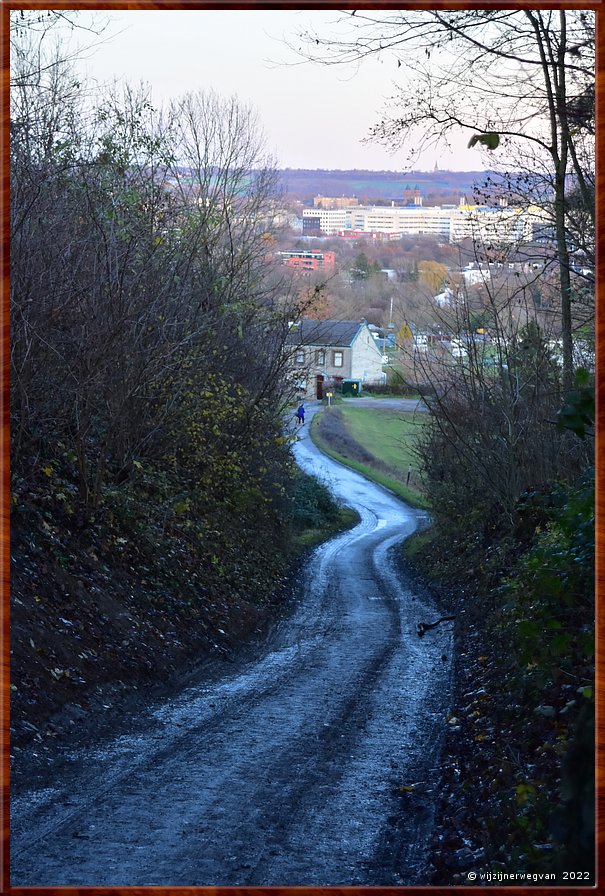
[(386, 436)]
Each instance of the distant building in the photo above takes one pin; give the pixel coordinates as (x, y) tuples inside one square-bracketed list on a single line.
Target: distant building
[(368, 235), (392, 220), (325, 220), (387, 221), (307, 260), (412, 196), (331, 202), (473, 276), (445, 299), (501, 224)]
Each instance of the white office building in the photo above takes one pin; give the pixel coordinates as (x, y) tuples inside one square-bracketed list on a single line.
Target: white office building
[(328, 220), (499, 224), (485, 224), (414, 220)]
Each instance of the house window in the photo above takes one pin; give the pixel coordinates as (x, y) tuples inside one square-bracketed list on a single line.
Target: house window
[(300, 357), (337, 359), (320, 357)]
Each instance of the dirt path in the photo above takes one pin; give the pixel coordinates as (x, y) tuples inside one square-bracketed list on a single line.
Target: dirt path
[(289, 772)]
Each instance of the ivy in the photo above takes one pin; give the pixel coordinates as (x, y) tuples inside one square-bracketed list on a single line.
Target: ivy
[(578, 413)]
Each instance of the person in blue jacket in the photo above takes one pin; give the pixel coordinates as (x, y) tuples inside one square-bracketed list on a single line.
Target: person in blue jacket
[(300, 414)]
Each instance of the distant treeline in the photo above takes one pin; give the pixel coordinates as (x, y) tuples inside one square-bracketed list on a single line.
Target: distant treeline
[(305, 183)]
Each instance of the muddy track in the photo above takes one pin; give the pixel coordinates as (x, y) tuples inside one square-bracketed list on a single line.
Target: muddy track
[(288, 771)]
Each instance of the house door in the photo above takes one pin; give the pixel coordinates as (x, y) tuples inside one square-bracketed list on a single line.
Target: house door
[(320, 386)]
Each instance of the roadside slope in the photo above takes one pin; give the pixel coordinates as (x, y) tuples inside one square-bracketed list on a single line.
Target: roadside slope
[(291, 771), (377, 441), (100, 616)]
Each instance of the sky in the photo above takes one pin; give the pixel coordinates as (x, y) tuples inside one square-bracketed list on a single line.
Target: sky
[(313, 116)]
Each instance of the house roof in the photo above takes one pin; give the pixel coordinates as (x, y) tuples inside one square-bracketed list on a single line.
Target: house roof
[(325, 332)]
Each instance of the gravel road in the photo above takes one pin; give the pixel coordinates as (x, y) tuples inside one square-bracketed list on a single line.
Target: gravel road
[(314, 764)]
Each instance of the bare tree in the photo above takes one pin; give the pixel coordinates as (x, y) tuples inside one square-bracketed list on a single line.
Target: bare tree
[(523, 78), (136, 275), (491, 369), (39, 41)]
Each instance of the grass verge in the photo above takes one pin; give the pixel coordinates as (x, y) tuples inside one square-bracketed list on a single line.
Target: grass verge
[(332, 433), (389, 436), (346, 519), (317, 516)]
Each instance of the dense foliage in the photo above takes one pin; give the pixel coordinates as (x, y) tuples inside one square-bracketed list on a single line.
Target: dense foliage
[(520, 567), (152, 488), (148, 328)]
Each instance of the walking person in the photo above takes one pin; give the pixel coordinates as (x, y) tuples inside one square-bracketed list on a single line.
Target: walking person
[(300, 414)]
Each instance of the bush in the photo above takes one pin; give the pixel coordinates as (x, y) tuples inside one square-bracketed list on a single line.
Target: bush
[(395, 386), (312, 505), (549, 599)]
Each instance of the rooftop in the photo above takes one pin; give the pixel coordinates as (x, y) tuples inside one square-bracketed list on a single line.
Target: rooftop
[(325, 332)]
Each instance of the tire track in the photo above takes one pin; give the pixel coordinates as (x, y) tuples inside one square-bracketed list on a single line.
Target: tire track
[(285, 773)]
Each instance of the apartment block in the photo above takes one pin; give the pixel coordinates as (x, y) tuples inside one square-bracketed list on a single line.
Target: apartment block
[(307, 260), (502, 223)]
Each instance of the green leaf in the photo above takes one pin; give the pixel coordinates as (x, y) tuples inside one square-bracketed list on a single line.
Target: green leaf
[(524, 793), (582, 377), (560, 645), (528, 629), (182, 506), (491, 140)]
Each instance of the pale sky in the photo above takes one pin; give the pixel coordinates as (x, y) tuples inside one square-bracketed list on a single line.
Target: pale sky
[(313, 116)]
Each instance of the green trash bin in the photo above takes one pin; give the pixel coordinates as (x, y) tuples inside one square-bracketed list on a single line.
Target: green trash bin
[(351, 388)]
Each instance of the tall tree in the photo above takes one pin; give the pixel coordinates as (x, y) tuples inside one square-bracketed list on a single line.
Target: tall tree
[(509, 79), (138, 272)]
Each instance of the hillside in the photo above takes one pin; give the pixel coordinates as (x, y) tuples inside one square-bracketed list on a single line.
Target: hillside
[(124, 605), (303, 184)]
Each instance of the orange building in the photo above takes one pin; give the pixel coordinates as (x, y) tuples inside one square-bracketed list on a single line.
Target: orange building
[(308, 260)]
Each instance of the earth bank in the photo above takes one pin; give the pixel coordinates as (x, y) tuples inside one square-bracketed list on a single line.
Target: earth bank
[(517, 788), (98, 621)]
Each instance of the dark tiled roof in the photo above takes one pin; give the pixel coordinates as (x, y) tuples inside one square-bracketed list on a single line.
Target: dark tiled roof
[(325, 332)]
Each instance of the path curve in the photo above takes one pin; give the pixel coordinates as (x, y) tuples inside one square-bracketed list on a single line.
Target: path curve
[(313, 765)]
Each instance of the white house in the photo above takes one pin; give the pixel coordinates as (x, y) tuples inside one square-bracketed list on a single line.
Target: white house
[(473, 276), (326, 352), (445, 298)]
